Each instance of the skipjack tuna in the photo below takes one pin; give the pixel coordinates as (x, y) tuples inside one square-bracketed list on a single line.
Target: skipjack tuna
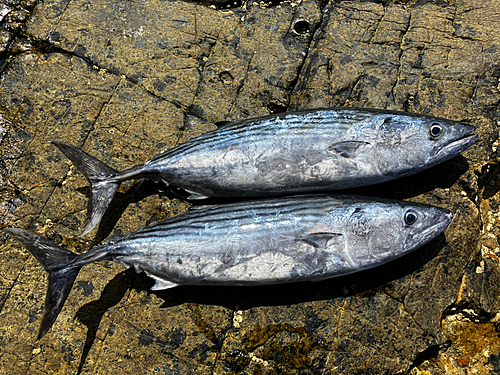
[(270, 241), (288, 153)]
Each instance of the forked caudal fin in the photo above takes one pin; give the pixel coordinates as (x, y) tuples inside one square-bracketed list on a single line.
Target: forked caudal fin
[(57, 261), (98, 174)]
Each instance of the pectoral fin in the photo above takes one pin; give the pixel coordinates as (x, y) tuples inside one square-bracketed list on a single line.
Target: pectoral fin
[(348, 149), (325, 241)]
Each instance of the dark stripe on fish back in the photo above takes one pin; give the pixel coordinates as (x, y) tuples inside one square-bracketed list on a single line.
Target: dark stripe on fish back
[(192, 229), (226, 215), (261, 129)]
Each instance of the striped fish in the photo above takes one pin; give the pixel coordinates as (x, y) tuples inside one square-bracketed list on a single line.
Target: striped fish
[(298, 238), (289, 153)]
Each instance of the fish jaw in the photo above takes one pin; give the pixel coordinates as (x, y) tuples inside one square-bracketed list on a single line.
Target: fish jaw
[(456, 146), (443, 220)]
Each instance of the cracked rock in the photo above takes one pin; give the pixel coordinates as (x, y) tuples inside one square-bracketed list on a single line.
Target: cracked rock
[(124, 80)]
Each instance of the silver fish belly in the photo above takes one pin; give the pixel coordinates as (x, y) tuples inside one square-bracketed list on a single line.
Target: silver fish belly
[(289, 153), (300, 238)]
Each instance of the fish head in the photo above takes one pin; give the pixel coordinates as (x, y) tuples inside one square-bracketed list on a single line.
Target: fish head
[(409, 143), (382, 231)]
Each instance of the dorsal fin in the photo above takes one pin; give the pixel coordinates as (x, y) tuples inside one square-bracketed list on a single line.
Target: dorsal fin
[(201, 207), (220, 124), (129, 234)]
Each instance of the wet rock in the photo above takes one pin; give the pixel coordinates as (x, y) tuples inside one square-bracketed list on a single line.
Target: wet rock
[(124, 80)]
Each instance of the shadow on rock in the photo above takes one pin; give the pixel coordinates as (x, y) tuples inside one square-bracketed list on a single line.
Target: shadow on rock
[(488, 181), (91, 314)]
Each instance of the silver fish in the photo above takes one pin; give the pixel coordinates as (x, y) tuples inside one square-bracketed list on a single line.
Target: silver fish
[(299, 238), (288, 153)]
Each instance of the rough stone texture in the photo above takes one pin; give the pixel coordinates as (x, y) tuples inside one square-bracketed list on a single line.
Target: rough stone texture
[(125, 79)]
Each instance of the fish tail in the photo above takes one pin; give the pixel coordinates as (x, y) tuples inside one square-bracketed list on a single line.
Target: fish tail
[(58, 262), (98, 174)]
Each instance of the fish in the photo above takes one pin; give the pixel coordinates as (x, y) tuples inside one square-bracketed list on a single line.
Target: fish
[(309, 151), (267, 241)]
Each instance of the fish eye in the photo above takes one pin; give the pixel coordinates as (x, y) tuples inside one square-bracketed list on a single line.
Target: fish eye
[(410, 217), (436, 130)]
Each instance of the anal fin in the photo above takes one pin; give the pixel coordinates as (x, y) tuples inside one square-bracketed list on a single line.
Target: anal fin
[(160, 284), (195, 196), (126, 265)]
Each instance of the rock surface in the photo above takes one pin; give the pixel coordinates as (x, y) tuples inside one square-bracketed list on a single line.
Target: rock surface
[(124, 80)]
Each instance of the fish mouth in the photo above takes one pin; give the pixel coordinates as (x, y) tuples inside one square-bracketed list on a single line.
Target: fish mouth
[(428, 234), (457, 146)]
